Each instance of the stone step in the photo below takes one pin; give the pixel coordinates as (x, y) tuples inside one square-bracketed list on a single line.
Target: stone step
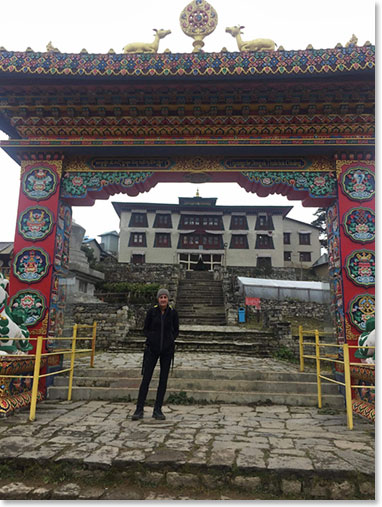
[(201, 384), (202, 373), (202, 335), (241, 348), (239, 397)]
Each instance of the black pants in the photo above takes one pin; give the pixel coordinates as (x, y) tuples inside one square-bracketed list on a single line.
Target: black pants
[(150, 361)]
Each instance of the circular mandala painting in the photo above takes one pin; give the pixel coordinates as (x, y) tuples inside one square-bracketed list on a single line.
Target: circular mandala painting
[(358, 183), (359, 224), (31, 265), (360, 267), (32, 302), (35, 223), (361, 308), (39, 183)]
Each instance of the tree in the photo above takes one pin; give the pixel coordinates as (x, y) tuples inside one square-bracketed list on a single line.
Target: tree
[(89, 254), (320, 222)]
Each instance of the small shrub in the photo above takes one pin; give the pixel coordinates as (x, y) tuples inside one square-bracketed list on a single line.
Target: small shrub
[(285, 354)]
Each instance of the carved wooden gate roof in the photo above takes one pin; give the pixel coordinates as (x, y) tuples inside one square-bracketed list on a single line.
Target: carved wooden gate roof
[(307, 102)]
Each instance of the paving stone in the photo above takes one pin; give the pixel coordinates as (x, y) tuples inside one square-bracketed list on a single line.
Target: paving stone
[(91, 493), (16, 446), (45, 452), (289, 462), (70, 491), (77, 453), (250, 457), (15, 491), (102, 456), (354, 446), (281, 443), (40, 494), (129, 456), (166, 455), (329, 461)]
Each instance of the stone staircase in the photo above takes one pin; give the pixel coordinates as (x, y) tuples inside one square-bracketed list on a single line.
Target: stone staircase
[(200, 299), (241, 386), (214, 339)]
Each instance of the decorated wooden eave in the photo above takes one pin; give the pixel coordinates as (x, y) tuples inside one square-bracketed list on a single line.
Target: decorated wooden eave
[(308, 62)]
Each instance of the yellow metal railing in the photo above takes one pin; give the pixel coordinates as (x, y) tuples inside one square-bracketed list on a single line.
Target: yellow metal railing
[(38, 355), (332, 358)]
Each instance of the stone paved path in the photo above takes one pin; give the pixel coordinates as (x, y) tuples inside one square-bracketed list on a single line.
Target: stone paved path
[(292, 442), (109, 360), (206, 451)]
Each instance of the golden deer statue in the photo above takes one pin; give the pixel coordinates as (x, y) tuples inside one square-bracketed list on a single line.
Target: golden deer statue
[(147, 47), (251, 45)]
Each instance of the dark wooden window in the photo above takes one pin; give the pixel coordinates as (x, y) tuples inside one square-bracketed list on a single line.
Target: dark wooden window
[(137, 239), (239, 241), (286, 238), (138, 259), (239, 222), (138, 220), (264, 262), (305, 256), (304, 238), (192, 241), (207, 222), (264, 223), (162, 240), (163, 220), (264, 241), (287, 256)]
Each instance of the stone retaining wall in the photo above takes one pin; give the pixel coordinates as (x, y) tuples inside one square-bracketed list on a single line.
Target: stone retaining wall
[(116, 321)]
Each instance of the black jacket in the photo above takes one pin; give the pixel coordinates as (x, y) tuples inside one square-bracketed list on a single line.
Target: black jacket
[(161, 330)]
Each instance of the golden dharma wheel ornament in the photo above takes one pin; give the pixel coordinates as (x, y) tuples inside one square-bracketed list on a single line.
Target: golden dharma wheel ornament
[(197, 20)]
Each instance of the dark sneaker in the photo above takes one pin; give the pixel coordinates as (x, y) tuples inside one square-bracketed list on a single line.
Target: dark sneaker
[(158, 414), (138, 414)]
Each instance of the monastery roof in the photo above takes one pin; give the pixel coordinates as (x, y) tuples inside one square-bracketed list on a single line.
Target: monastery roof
[(281, 63), (128, 206)]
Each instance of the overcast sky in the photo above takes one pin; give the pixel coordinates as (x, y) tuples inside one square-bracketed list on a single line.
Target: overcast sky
[(99, 25)]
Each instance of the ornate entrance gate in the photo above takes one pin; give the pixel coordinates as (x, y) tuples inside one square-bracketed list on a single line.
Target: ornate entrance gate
[(86, 126)]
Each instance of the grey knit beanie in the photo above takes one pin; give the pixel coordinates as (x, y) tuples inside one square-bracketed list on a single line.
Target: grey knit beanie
[(162, 292)]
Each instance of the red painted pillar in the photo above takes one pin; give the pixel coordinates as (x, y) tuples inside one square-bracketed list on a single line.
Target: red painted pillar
[(41, 247), (356, 218)]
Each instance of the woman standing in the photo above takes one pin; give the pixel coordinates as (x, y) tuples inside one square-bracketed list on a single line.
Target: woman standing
[(161, 329)]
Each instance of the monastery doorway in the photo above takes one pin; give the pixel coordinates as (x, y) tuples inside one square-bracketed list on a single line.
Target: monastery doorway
[(50, 187), (85, 126)]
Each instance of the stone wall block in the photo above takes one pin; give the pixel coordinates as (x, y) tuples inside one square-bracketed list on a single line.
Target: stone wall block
[(291, 487)]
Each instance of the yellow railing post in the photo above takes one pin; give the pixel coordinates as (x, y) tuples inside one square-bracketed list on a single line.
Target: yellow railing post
[(349, 407), (36, 377), (318, 368), (301, 346), (93, 344), (72, 357)]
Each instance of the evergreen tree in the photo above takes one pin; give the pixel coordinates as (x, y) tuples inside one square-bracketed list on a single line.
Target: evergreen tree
[(320, 222)]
